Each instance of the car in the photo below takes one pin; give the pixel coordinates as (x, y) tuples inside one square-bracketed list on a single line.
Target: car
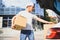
[(54, 32)]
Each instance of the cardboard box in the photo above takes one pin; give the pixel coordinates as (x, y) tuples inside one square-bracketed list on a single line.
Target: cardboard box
[(20, 23)]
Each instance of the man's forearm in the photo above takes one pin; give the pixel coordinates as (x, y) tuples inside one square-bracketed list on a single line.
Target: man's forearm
[(41, 20), (52, 16)]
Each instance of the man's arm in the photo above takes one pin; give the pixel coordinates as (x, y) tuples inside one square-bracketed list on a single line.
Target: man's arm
[(41, 20), (12, 21), (52, 17)]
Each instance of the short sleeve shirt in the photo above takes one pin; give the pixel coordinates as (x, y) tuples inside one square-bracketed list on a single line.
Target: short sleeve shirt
[(29, 17)]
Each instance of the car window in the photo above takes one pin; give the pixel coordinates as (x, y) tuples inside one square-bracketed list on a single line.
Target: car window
[(57, 5)]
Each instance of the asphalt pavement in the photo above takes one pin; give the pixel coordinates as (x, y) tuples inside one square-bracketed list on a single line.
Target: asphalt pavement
[(10, 34)]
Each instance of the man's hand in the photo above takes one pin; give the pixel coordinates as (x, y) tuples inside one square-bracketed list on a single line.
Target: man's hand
[(13, 26), (50, 23)]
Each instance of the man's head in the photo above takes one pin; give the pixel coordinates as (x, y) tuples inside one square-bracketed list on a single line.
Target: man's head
[(30, 7)]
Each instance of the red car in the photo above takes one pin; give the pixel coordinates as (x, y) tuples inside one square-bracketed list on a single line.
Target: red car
[(54, 33)]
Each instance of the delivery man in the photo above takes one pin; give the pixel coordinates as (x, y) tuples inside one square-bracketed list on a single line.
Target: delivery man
[(28, 31)]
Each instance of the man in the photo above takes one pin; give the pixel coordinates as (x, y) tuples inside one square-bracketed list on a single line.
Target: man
[(28, 31)]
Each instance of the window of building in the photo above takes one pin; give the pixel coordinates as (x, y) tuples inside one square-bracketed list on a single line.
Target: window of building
[(4, 23), (7, 21)]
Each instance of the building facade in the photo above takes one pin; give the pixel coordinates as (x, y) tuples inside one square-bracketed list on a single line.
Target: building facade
[(7, 13)]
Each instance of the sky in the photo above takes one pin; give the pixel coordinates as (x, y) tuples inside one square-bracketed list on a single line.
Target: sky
[(17, 3)]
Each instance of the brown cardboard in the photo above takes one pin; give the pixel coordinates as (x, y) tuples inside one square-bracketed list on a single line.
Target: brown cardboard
[(20, 22)]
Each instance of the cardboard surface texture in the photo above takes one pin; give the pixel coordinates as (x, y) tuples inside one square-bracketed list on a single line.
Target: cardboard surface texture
[(20, 23)]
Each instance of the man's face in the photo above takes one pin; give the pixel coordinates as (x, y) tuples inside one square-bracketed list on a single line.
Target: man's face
[(30, 8)]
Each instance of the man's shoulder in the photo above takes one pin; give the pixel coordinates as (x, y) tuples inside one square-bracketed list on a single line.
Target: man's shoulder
[(21, 12)]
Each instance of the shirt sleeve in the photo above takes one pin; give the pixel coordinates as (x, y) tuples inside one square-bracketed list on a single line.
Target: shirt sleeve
[(18, 14), (34, 17)]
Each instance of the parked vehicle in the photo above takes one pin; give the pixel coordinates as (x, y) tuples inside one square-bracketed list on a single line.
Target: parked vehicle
[(54, 32)]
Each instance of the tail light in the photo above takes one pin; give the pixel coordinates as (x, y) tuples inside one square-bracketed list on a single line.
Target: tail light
[(51, 33)]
